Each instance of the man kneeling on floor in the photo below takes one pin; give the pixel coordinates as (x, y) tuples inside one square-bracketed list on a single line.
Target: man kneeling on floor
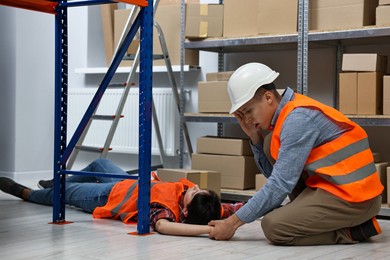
[(322, 160), (176, 208)]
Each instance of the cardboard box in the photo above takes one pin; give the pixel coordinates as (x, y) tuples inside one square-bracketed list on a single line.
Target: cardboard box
[(107, 15), (364, 62), (348, 93), (383, 15), (238, 17), (169, 18), (261, 180), (204, 20), (386, 95), (341, 14), (219, 76), (213, 97), (269, 9), (223, 146), (370, 93), (206, 180), (120, 20), (382, 171), (237, 172)]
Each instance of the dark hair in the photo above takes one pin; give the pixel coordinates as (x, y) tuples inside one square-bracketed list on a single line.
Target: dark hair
[(269, 86), (203, 208)]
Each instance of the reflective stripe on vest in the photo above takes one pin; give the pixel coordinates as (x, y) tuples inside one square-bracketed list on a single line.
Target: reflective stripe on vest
[(339, 156), (129, 192), (344, 166)]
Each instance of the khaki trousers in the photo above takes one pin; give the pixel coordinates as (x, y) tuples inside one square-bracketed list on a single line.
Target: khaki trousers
[(316, 217)]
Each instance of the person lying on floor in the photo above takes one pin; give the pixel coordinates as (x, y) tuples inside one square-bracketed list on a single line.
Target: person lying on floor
[(176, 208)]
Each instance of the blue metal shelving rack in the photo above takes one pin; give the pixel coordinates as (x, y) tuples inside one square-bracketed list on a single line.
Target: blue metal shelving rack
[(62, 149)]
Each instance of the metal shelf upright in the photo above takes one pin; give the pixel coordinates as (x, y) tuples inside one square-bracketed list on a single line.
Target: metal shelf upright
[(62, 149)]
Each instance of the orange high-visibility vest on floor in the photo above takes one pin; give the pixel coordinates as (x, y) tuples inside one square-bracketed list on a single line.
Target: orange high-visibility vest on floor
[(122, 201), (344, 166)]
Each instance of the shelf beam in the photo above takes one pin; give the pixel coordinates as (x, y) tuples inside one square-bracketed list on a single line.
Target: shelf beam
[(365, 35)]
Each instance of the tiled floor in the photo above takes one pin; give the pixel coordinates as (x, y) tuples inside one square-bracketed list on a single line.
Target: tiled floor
[(26, 234)]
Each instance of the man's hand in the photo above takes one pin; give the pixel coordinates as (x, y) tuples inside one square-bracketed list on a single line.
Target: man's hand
[(248, 128), (224, 229)]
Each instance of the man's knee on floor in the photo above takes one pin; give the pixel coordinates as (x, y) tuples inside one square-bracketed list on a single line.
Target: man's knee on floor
[(274, 231)]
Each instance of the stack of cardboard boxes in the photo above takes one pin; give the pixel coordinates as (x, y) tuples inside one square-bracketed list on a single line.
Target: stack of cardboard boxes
[(235, 17), (361, 84), (232, 157)]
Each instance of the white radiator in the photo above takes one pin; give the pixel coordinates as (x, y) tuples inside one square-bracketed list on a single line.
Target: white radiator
[(126, 136)]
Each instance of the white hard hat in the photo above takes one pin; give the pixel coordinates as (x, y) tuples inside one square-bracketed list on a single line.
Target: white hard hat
[(246, 80)]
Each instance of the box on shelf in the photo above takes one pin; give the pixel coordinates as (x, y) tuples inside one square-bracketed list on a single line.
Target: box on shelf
[(269, 9), (238, 17), (219, 76), (107, 15), (120, 19), (382, 171), (364, 62), (223, 146), (348, 93), (206, 180), (386, 95), (383, 15), (341, 14), (370, 93), (213, 97), (261, 180), (169, 18), (384, 2), (204, 20), (237, 172)]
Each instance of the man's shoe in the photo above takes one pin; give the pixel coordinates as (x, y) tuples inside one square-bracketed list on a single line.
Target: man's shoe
[(42, 184), (11, 187), (363, 231)]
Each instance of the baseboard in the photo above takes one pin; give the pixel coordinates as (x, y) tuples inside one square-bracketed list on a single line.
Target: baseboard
[(28, 177)]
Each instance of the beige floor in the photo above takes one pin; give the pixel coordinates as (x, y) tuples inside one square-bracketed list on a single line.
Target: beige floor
[(26, 234)]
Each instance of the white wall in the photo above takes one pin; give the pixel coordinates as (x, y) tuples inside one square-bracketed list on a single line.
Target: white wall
[(27, 73), (7, 90)]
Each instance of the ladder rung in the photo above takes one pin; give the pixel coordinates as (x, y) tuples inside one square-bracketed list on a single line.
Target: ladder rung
[(105, 117), (117, 85), (90, 148), (155, 57)]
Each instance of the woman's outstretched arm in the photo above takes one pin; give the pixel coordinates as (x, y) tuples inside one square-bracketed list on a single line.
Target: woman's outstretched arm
[(166, 227)]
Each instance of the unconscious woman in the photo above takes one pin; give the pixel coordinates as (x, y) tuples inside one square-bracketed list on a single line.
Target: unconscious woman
[(176, 208)]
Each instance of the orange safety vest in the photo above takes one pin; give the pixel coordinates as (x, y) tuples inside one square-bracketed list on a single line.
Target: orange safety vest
[(344, 166), (122, 201)]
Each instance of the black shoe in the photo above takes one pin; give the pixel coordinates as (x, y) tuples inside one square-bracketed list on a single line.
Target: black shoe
[(42, 184), (9, 186), (363, 231)]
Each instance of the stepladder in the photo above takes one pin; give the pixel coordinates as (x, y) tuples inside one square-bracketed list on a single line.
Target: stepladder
[(115, 118)]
